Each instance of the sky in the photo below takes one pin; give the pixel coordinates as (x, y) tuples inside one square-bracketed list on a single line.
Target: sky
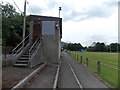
[(84, 21)]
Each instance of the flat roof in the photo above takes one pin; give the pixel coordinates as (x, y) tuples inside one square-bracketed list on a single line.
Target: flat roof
[(46, 18), (39, 17)]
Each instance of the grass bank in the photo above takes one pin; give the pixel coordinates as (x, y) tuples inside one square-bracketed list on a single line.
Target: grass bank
[(108, 75)]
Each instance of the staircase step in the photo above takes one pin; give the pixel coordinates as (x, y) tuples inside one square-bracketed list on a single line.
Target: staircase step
[(20, 65), (25, 55), (24, 58), (23, 61)]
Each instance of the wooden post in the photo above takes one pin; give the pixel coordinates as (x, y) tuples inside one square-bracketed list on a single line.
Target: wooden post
[(87, 61), (77, 57), (98, 65), (81, 59)]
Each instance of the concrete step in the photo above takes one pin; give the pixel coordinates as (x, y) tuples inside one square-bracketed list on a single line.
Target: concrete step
[(20, 65), (22, 62), (25, 55), (24, 58)]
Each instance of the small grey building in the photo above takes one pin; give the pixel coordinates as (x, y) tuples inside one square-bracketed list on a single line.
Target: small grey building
[(44, 44)]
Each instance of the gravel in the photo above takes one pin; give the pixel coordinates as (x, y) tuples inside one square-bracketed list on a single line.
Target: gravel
[(13, 75)]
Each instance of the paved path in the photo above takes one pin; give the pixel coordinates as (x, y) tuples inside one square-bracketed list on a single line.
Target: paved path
[(86, 78), (44, 79), (66, 78)]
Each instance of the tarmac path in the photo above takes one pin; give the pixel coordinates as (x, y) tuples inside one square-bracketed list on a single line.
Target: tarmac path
[(66, 78), (86, 78), (44, 79)]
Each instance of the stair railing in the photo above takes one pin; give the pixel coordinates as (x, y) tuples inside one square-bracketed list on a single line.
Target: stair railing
[(20, 46), (32, 49)]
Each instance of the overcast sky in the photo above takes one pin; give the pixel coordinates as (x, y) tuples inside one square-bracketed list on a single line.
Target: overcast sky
[(84, 21)]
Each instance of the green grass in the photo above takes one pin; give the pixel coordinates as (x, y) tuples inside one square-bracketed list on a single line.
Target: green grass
[(108, 75)]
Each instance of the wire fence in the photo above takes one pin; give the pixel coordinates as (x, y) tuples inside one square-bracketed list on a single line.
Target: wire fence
[(87, 61)]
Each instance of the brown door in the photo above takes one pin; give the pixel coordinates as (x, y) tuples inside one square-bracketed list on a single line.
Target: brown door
[(36, 30)]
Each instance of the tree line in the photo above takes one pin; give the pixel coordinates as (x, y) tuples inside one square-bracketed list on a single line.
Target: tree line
[(95, 47)]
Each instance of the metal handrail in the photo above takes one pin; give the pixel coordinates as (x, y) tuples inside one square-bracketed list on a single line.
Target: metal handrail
[(19, 45), (33, 46)]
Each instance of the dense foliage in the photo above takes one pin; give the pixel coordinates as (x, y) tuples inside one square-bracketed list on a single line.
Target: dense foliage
[(95, 47), (11, 25), (73, 46), (101, 47)]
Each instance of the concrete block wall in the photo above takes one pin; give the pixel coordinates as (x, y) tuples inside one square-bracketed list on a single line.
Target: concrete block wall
[(6, 63)]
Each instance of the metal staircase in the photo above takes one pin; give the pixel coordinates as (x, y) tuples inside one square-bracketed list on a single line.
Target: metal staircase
[(22, 54), (23, 60)]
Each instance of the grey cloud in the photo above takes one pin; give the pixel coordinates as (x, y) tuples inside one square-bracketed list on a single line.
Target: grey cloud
[(70, 14), (96, 12), (101, 11), (111, 4), (97, 38), (35, 9), (89, 39), (52, 4)]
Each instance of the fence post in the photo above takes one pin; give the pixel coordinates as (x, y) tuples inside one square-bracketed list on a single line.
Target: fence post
[(81, 59), (98, 65), (87, 61), (77, 57)]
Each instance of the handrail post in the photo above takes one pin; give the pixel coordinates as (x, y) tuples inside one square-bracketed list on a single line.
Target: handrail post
[(12, 57)]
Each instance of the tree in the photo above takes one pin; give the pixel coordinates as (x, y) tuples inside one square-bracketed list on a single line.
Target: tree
[(113, 47), (73, 46), (8, 10), (12, 23), (97, 47)]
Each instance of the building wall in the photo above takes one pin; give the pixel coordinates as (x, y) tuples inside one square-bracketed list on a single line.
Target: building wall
[(50, 48), (51, 42)]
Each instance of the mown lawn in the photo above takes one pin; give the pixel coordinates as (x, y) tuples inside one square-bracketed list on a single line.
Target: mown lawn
[(108, 75)]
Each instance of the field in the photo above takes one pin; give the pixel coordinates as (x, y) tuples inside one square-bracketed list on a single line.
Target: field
[(108, 75)]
